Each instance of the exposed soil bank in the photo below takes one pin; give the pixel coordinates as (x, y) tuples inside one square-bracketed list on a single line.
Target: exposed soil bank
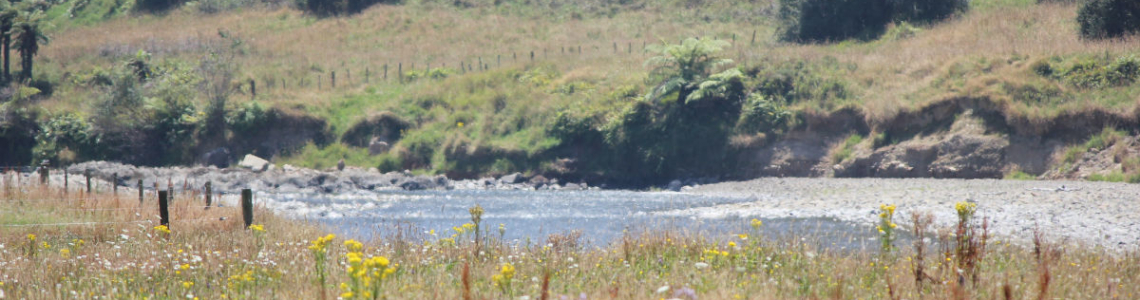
[(1093, 213), (953, 138)]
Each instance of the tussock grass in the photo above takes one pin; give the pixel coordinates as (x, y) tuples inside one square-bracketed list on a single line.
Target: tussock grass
[(215, 259)]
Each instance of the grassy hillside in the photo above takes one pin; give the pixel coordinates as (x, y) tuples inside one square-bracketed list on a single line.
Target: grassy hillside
[(588, 66)]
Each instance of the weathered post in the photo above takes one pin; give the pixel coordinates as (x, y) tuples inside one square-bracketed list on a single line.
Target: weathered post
[(579, 49), (208, 194), (65, 181), (367, 75), (348, 75), (481, 63), (385, 72), (140, 192), (514, 56), (164, 209), (400, 72), (332, 82), (252, 89), (170, 187), (44, 172), (615, 47), (87, 175), (629, 50), (114, 184), (753, 38), (318, 81), (247, 206), (498, 61), (531, 55)]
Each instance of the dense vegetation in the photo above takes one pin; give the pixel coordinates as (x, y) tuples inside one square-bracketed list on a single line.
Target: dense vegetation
[(1109, 18), (828, 21)]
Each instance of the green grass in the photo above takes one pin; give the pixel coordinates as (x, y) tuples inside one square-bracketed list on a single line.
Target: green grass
[(1019, 175), (1116, 176), (845, 150)]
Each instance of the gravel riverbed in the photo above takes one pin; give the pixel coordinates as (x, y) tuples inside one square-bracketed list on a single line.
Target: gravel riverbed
[(1070, 212)]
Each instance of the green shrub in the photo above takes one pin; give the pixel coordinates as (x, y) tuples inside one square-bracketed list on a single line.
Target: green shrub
[(1019, 175), (327, 8), (1093, 72), (813, 21), (1100, 19), (761, 114)]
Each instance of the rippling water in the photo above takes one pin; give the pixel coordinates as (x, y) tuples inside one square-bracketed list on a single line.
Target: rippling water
[(530, 216)]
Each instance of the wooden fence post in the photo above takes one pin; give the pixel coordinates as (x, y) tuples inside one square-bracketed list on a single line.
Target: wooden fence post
[(579, 49), (499, 61), (348, 76), (332, 82), (615, 47), (385, 72), (247, 206), (629, 50), (252, 89), (65, 183), (87, 175), (753, 38), (319, 81), (114, 184), (164, 209), (366, 75), (44, 172), (140, 192), (170, 187), (208, 195), (481, 64), (531, 55), (400, 72)]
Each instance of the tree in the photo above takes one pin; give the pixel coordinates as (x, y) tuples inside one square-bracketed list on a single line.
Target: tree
[(8, 14), (681, 67), (28, 34)]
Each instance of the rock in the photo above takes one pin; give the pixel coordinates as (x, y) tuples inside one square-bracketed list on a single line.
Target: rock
[(219, 157), (675, 185), (340, 165), (288, 168), (538, 181), (513, 178), (378, 147), (254, 163)]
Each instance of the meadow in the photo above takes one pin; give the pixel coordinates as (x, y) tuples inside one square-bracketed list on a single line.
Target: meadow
[(58, 244)]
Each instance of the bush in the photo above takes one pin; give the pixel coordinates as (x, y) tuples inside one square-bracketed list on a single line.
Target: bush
[(1100, 19), (327, 8), (1093, 73), (833, 20)]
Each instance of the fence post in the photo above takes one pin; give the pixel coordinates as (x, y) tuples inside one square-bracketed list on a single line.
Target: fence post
[(65, 183), (114, 184), (400, 72), (531, 55), (348, 76), (579, 49), (208, 195), (140, 192), (514, 56), (753, 38), (247, 206), (481, 63), (87, 175), (615, 47), (319, 81), (170, 187), (164, 209), (44, 172), (332, 82), (629, 50), (499, 60), (252, 89), (366, 75)]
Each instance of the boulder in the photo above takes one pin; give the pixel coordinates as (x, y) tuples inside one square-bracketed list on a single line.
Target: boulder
[(377, 147), (513, 178), (254, 163)]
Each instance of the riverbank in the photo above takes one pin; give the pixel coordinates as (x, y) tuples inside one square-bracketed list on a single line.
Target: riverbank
[(209, 254), (1090, 213)]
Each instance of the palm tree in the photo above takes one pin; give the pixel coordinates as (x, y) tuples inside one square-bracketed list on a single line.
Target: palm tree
[(681, 67), (8, 13), (28, 33)]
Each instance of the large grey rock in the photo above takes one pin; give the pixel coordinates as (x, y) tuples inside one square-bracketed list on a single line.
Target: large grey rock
[(254, 163), (513, 178)]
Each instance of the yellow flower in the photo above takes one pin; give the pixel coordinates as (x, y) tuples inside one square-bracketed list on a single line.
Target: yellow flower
[(45, 245), (257, 227), (187, 284), (353, 245), (756, 223), (732, 244), (162, 229), (346, 295), (743, 236), (460, 124), (31, 237), (508, 271), (64, 252), (185, 266)]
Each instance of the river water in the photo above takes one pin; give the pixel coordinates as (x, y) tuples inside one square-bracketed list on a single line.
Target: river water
[(602, 217)]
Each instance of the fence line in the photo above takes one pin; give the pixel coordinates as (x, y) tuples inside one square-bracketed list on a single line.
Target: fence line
[(103, 223)]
